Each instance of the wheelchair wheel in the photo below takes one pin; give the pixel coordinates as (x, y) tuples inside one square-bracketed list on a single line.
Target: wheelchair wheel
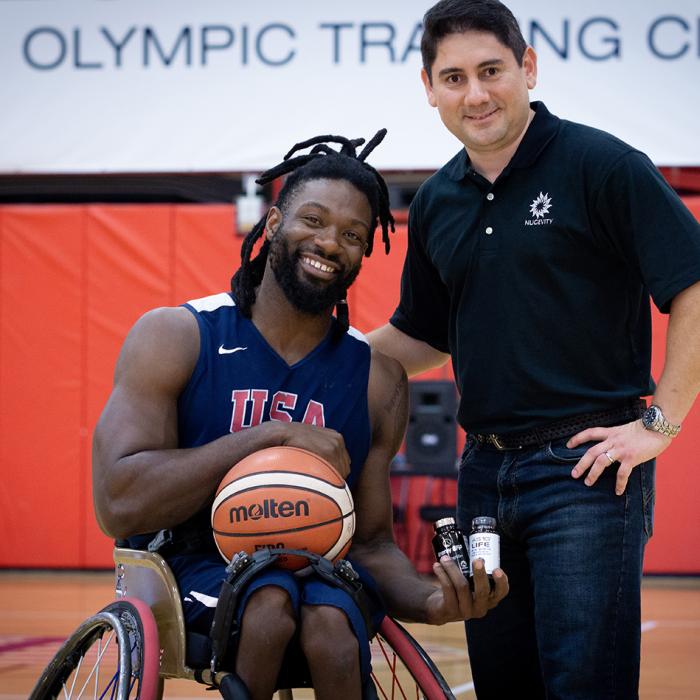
[(401, 669), (112, 655)]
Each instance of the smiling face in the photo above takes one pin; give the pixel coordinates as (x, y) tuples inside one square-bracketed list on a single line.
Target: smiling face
[(317, 243), (480, 90)]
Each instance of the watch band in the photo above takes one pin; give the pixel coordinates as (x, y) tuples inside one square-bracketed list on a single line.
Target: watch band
[(654, 419)]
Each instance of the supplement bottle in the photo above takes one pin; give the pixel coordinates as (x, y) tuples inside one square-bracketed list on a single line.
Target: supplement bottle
[(485, 543), (450, 541)]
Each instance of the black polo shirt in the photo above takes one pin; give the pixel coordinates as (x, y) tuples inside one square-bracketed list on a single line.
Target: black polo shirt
[(538, 284)]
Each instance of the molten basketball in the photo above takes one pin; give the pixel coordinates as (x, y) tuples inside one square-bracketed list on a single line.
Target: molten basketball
[(283, 497)]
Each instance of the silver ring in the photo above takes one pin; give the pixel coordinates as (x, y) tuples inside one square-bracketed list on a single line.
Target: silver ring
[(610, 459)]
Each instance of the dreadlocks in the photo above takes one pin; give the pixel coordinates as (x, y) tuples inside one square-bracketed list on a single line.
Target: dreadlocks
[(321, 163)]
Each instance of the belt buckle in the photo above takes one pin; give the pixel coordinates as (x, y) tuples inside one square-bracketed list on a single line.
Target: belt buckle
[(496, 441)]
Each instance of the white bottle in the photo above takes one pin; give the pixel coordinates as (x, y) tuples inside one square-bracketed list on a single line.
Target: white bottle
[(484, 543)]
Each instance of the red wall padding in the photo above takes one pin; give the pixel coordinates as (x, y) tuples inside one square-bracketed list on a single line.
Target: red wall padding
[(73, 280), (43, 451)]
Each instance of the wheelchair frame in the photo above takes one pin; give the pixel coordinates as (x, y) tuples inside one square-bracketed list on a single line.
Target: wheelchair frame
[(147, 623)]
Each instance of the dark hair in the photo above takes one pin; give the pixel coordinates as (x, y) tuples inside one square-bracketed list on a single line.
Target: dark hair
[(458, 16), (321, 163)]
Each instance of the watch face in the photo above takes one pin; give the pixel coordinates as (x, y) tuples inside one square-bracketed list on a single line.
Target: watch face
[(651, 415)]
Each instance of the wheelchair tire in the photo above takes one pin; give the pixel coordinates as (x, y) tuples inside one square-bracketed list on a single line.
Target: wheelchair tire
[(112, 655), (409, 670)]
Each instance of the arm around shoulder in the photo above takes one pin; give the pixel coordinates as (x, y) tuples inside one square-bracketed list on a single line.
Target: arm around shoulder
[(415, 355)]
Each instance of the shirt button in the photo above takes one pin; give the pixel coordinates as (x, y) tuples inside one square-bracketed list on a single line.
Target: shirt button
[(490, 196), (489, 230)]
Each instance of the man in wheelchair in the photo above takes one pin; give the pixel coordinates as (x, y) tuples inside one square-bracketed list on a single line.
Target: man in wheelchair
[(200, 386)]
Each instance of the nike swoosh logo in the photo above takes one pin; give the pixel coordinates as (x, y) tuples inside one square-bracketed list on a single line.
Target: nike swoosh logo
[(227, 351)]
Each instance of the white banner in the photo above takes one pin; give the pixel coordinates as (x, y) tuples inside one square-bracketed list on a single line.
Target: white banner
[(125, 86)]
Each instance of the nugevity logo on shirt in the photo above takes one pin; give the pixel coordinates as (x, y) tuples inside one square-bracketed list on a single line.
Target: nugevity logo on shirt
[(539, 209)]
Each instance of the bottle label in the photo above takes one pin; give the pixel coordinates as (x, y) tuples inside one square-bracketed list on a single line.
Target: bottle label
[(451, 545), (486, 546)]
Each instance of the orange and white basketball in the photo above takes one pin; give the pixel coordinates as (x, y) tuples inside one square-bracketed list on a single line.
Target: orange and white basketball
[(283, 497)]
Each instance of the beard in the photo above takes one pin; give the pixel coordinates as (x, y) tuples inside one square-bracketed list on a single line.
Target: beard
[(306, 295)]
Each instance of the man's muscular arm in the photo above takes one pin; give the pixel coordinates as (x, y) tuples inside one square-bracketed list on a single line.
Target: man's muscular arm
[(142, 481), (407, 595)]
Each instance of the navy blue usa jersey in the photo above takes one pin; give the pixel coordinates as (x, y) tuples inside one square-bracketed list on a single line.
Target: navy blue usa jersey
[(240, 381)]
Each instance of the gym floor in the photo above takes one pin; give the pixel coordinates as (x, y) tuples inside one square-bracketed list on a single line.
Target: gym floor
[(38, 609)]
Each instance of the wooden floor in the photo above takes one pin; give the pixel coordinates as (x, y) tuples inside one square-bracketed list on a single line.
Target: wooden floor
[(38, 609)]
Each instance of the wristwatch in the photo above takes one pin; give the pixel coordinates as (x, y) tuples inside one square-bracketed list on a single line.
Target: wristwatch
[(653, 419)]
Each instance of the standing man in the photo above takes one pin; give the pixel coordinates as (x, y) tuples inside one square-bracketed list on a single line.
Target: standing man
[(531, 258), (200, 386)]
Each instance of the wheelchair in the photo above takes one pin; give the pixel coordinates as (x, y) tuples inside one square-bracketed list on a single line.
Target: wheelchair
[(130, 648)]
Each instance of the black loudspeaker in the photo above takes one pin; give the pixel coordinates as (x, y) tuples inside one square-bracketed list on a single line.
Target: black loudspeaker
[(431, 436)]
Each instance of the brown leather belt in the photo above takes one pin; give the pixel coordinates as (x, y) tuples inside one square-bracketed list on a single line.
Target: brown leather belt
[(563, 428)]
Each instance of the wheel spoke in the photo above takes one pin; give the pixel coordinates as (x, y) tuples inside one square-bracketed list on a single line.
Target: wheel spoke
[(75, 678), (378, 685), (392, 663), (395, 680), (97, 674), (412, 673), (111, 687), (96, 665)]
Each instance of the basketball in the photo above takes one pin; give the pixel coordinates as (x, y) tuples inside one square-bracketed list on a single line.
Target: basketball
[(283, 497)]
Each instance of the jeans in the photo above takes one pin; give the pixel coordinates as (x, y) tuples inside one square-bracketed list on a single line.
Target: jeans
[(569, 628)]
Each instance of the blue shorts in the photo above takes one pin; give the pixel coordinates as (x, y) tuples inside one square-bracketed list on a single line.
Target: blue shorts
[(199, 579)]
